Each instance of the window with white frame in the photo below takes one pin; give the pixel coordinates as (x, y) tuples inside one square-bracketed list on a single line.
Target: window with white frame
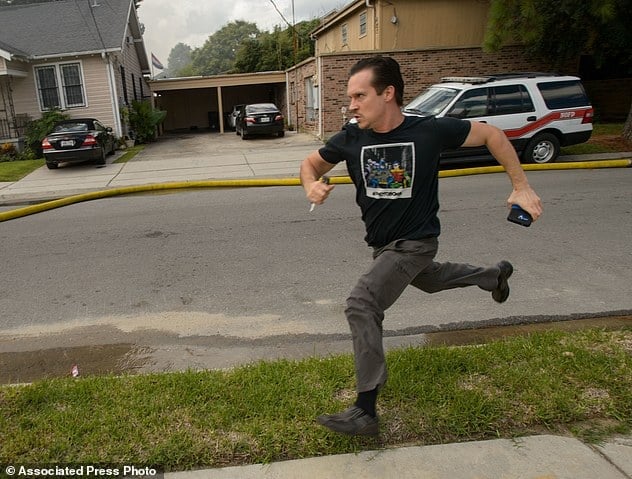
[(363, 24), (344, 30), (60, 86)]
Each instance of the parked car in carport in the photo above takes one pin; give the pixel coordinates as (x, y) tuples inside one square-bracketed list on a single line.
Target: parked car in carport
[(260, 119), (232, 116), (78, 140)]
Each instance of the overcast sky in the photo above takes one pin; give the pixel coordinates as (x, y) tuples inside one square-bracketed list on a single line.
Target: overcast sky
[(168, 22)]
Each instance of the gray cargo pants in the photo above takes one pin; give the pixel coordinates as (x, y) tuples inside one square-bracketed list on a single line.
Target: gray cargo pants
[(395, 266)]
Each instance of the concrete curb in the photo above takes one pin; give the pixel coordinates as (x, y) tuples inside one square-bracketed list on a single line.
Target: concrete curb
[(527, 457)]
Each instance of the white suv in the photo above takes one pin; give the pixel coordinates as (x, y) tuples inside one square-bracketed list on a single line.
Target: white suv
[(538, 112)]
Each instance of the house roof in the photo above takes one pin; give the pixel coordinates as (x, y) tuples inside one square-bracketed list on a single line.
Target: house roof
[(68, 27), (5, 48)]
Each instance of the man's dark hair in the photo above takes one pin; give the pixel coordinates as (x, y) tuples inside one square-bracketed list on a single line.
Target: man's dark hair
[(386, 73)]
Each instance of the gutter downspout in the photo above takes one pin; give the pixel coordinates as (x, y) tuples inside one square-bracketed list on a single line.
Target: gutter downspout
[(319, 69), (113, 94), (288, 107)]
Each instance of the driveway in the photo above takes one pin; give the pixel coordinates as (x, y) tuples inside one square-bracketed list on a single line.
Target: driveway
[(216, 145), (181, 157)]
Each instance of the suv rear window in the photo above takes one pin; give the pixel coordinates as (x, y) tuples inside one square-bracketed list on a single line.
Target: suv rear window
[(563, 94)]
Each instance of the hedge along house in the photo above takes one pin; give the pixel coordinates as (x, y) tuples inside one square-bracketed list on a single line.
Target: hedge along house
[(429, 38), (86, 57)]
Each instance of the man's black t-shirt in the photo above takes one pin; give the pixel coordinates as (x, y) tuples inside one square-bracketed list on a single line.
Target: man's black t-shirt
[(396, 174)]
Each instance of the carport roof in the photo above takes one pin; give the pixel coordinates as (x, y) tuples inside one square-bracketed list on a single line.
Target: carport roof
[(238, 79)]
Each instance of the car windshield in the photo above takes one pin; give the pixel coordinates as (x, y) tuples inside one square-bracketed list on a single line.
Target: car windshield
[(261, 108), (65, 127), (432, 101)]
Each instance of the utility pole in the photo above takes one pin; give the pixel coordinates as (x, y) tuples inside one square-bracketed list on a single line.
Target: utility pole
[(294, 35)]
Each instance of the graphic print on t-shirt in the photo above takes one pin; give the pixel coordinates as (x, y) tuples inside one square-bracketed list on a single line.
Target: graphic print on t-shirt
[(388, 170)]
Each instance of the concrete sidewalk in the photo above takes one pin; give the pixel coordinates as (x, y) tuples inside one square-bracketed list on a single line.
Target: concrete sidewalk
[(534, 457), (204, 156)]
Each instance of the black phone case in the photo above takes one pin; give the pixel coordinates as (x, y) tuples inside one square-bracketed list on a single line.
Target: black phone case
[(519, 216)]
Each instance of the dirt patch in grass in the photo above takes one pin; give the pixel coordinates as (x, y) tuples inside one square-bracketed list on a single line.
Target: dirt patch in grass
[(613, 142)]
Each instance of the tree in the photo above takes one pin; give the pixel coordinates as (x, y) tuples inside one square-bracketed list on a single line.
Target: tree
[(276, 50), (217, 55), (248, 56), (565, 29), (179, 58)]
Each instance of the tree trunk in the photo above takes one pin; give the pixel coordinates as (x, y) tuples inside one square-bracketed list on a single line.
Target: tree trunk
[(627, 128)]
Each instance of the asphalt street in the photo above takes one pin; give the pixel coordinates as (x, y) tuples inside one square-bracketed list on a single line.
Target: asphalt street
[(214, 278)]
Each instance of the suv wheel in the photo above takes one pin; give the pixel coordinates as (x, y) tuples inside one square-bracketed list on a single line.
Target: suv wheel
[(543, 148)]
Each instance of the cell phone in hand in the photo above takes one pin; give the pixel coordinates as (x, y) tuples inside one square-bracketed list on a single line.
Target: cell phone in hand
[(519, 216)]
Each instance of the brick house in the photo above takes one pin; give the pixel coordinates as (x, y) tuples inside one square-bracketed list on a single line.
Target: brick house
[(83, 56), (429, 38)]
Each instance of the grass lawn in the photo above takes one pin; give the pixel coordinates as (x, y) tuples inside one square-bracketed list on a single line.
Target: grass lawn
[(557, 382), (130, 153), (15, 170), (606, 138)]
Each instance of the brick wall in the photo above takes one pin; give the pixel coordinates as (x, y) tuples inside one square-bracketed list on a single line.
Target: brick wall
[(297, 97), (420, 68)]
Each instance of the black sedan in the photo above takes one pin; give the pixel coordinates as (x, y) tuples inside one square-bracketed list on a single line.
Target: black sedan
[(78, 140), (259, 119)]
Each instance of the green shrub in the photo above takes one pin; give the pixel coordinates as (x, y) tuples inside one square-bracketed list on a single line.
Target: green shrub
[(36, 130), (8, 152), (144, 119)]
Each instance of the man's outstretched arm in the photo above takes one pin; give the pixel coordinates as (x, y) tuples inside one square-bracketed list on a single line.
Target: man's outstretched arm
[(499, 146)]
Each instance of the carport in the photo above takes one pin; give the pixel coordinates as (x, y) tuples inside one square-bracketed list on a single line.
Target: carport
[(194, 103)]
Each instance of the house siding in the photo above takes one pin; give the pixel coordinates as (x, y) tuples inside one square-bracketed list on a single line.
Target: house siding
[(431, 23), (99, 101), (133, 75), (133, 86), (408, 24), (25, 96), (95, 83)]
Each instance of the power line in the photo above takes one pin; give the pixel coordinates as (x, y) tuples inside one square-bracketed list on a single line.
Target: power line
[(294, 32), (279, 12)]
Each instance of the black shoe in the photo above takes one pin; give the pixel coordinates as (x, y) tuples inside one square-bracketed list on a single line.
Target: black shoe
[(501, 293), (352, 421)]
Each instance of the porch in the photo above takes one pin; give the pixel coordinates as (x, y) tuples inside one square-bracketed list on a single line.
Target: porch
[(12, 125)]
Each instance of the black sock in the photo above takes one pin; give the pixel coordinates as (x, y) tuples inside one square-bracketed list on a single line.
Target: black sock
[(366, 401)]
